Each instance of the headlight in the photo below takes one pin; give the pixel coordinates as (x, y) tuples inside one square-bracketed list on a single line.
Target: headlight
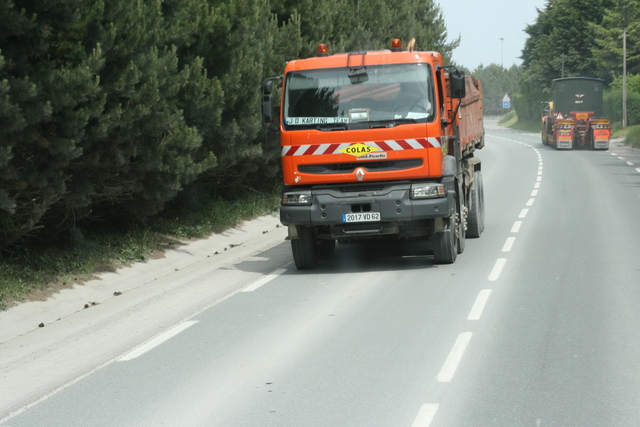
[(428, 191), (299, 198)]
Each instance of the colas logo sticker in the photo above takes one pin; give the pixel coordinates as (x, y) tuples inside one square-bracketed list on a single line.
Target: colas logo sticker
[(358, 150)]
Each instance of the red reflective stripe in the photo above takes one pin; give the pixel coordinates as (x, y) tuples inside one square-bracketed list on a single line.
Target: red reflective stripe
[(424, 142), (301, 150), (332, 149), (316, 149), (384, 146), (404, 144)]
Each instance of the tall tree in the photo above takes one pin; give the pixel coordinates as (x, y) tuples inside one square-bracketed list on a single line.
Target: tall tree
[(608, 47), (245, 44), (496, 83), (94, 90), (46, 106), (560, 43), (349, 25)]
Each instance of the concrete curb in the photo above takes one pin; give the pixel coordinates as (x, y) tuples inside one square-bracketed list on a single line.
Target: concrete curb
[(222, 249)]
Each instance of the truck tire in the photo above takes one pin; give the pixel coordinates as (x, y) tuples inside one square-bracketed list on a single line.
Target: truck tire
[(475, 220), (461, 227), (445, 249), (304, 251)]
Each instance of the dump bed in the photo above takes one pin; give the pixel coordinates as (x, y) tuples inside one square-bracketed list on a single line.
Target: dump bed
[(470, 113)]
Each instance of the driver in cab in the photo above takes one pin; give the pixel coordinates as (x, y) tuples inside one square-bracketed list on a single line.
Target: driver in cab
[(412, 98)]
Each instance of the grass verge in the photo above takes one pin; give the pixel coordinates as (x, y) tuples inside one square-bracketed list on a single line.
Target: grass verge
[(512, 121), (35, 270), (633, 136)]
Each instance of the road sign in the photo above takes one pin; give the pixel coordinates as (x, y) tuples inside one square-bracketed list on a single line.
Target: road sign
[(506, 101)]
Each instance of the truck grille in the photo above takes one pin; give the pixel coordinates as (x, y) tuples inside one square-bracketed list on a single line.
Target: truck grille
[(361, 189), (331, 168)]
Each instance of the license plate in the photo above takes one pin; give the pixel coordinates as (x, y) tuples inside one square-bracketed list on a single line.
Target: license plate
[(361, 217)]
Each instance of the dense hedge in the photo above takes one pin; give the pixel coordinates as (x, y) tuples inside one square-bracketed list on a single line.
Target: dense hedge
[(112, 107), (613, 100)]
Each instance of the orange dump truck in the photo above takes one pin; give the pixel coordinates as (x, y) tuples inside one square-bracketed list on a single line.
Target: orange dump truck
[(378, 144)]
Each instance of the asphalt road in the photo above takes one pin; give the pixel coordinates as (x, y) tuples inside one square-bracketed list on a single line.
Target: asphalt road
[(536, 324)]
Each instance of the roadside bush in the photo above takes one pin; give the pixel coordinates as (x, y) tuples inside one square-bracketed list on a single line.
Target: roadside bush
[(633, 136), (613, 101), (511, 116)]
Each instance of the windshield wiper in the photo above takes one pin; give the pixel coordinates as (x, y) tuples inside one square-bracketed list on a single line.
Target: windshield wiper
[(329, 127), (390, 123)]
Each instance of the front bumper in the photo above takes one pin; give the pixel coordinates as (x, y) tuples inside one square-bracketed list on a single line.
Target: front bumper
[(392, 201)]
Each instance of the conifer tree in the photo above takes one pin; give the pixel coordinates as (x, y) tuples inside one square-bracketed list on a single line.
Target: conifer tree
[(608, 49), (246, 45), (94, 93), (496, 82), (47, 103)]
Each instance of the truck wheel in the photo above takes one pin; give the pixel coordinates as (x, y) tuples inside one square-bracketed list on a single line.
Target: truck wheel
[(326, 249), (461, 225), (475, 220), (444, 243), (303, 248)]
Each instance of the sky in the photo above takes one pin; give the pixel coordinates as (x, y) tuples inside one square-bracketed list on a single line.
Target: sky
[(482, 23)]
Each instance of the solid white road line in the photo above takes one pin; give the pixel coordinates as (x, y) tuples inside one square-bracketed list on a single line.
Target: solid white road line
[(264, 280), (426, 414), (516, 226), (157, 341), (497, 269), (508, 244), (478, 306), (452, 362)]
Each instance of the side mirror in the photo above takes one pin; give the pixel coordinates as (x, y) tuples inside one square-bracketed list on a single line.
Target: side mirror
[(458, 84), (267, 102), (544, 106), (267, 87)]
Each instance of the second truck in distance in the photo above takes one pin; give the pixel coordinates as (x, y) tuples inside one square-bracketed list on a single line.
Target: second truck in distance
[(575, 117)]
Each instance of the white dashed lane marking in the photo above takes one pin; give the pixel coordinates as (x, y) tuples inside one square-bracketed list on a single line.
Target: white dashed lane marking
[(478, 306), (516, 226), (497, 269), (508, 244), (427, 411), (452, 362), (625, 160), (426, 414)]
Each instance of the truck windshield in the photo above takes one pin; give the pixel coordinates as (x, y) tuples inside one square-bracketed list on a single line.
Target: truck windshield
[(331, 99)]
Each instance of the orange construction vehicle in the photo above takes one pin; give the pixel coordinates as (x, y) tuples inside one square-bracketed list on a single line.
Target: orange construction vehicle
[(378, 144), (574, 118)]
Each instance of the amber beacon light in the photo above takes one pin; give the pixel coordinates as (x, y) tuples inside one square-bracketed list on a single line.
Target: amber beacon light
[(396, 45), (323, 50)]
